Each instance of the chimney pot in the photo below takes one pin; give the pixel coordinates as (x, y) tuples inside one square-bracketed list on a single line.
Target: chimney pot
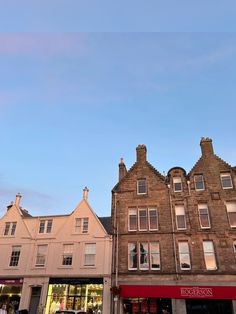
[(141, 151), (122, 169), (206, 146)]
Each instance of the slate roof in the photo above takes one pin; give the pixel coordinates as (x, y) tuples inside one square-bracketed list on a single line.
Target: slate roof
[(106, 222)]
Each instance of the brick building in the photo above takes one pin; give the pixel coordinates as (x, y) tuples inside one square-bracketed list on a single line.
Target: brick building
[(175, 237)]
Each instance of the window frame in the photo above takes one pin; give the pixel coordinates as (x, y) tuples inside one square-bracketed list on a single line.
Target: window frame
[(82, 225), (202, 206), (207, 253), (152, 209), (226, 174), (45, 226), (177, 180), (88, 254), (141, 186), (132, 214), (183, 255), (145, 218), (41, 256), (197, 181), (179, 215), (15, 256), (153, 253), (231, 211), (10, 228), (67, 255)]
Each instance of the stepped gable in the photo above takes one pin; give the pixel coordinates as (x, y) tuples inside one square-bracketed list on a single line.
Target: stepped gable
[(153, 169)]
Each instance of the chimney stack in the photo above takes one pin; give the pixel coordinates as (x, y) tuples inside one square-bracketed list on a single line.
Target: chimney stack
[(122, 169), (85, 193), (17, 201), (141, 151), (206, 146)]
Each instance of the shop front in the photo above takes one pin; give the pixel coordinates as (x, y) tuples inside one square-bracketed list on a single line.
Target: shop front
[(158, 299), (75, 294), (10, 292)]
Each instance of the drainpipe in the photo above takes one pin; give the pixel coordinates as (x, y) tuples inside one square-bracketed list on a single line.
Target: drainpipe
[(116, 254), (173, 235)]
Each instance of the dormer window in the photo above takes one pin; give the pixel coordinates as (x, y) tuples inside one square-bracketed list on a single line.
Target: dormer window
[(142, 186), (177, 182), (45, 226), (10, 228), (199, 183), (226, 180)]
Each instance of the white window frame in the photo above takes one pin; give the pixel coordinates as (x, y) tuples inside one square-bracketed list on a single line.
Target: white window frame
[(141, 183), (67, 256), (209, 253), (41, 255), (202, 207), (15, 256), (133, 255), (196, 181), (81, 225), (144, 210), (155, 253), (176, 181), (231, 208), (152, 217), (10, 229), (222, 176), (184, 254), (90, 254), (180, 212), (45, 226), (133, 214)]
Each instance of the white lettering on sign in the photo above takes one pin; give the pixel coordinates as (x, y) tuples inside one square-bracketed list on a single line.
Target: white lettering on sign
[(196, 292)]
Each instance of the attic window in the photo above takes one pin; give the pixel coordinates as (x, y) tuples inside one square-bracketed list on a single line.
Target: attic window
[(45, 226), (81, 225), (10, 228), (226, 180), (142, 186)]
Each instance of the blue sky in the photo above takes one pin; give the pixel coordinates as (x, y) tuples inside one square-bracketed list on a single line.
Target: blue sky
[(77, 94)]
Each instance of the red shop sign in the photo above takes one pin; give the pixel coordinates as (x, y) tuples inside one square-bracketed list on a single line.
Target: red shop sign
[(17, 281), (184, 292)]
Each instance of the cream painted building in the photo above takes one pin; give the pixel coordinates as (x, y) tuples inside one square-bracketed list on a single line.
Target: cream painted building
[(55, 262)]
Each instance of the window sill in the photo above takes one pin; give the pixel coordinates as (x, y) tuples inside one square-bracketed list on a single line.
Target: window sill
[(65, 266)]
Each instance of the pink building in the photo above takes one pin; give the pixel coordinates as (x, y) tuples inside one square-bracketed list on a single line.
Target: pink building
[(55, 262)]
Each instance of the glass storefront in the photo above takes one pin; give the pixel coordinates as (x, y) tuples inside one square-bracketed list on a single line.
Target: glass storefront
[(10, 295), (208, 306), (147, 305), (74, 296)]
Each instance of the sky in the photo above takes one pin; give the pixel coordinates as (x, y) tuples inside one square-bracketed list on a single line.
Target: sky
[(82, 83)]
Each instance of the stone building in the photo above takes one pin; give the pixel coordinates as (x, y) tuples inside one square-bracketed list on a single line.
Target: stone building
[(175, 237), (55, 262)]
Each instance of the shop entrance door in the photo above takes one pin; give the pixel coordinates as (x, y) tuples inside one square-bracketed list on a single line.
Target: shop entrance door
[(34, 301)]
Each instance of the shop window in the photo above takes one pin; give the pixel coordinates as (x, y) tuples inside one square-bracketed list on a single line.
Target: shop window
[(41, 255), (45, 226), (226, 180), (153, 219), (142, 212), (133, 219), (81, 225), (67, 254), (90, 254), (180, 217), (209, 255), (10, 228), (142, 186), (203, 216), (184, 255), (15, 255), (199, 182), (177, 183), (231, 211)]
